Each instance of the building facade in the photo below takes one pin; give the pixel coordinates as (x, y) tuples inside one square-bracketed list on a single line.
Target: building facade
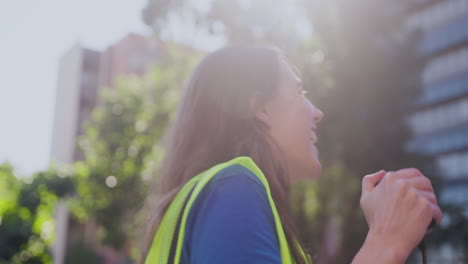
[(440, 120), (75, 98), (82, 72)]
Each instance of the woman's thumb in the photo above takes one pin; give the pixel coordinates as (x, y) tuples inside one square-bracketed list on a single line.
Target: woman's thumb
[(370, 181)]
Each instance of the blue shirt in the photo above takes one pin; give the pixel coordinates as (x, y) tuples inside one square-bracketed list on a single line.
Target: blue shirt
[(231, 222)]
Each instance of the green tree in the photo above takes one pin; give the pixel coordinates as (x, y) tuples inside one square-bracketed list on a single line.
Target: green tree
[(26, 214), (122, 144), (282, 23)]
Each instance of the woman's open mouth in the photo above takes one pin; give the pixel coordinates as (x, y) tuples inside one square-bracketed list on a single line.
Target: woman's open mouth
[(313, 137)]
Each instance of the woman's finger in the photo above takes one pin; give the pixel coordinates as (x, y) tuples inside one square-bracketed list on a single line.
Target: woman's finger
[(369, 181), (421, 183), (428, 195), (436, 212)]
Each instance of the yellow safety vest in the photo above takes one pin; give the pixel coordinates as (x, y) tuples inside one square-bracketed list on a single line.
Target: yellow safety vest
[(167, 243)]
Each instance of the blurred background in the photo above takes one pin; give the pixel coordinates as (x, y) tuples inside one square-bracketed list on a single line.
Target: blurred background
[(88, 89)]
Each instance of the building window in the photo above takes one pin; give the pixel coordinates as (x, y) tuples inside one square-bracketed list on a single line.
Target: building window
[(444, 66)]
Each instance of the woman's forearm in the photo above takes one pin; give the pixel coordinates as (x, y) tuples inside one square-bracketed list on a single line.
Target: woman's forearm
[(376, 250)]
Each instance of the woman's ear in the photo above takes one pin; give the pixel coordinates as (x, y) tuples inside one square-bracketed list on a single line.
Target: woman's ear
[(260, 111)]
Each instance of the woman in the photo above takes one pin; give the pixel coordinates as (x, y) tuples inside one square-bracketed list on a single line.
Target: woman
[(244, 105)]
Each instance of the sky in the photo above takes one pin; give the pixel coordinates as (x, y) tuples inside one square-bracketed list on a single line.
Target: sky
[(34, 34)]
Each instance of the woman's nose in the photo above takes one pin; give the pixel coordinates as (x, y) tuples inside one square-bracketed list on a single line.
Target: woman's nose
[(318, 115)]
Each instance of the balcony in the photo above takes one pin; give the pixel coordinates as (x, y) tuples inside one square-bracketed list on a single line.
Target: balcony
[(445, 90), (443, 142), (444, 37)]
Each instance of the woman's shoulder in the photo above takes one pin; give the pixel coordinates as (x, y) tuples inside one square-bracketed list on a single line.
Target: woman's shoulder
[(236, 173), (230, 187)]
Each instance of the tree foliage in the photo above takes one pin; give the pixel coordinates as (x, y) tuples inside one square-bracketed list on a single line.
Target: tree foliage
[(121, 144), (26, 214)]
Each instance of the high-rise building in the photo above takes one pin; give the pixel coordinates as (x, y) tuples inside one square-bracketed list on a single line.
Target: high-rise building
[(75, 98), (82, 73), (440, 118), (133, 54), (440, 122)]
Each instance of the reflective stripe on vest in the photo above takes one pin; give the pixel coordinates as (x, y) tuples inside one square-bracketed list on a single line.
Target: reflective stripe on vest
[(159, 251)]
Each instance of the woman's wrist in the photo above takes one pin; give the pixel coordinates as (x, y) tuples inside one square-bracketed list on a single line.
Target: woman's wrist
[(377, 250), (388, 250)]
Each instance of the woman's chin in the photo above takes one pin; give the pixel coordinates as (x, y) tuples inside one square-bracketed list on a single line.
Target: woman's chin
[(317, 171), (316, 167)]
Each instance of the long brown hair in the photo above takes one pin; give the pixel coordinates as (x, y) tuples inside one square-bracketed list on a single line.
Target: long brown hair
[(215, 122)]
